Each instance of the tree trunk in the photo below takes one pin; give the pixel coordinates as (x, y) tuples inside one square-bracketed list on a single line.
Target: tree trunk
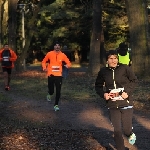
[(102, 50), (0, 23), (4, 19), (136, 11), (20, 61), (29, 34), (94, 60), (12, 23)]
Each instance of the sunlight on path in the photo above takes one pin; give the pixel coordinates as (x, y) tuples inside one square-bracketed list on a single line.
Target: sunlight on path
[(143, 121), (94, 117)]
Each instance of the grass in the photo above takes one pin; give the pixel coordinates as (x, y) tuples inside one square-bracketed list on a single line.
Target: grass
[(32, 84)]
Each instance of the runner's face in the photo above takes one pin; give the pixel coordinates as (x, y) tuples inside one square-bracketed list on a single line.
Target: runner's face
[(112, 61), (6, 47), (57, 47)]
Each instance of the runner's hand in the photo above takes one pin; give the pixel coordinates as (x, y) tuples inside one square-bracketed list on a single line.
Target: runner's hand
[(106, 96), (124, 95), (45, 69), (66, 66)]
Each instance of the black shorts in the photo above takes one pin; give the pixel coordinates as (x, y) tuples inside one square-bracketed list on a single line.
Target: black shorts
[(8, 70)]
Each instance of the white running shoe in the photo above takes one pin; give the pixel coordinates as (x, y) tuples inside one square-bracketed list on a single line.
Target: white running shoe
[(56, 108), (132, 138), (48, 97)]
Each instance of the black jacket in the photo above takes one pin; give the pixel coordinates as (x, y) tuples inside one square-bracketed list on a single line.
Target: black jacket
[(113, 78)]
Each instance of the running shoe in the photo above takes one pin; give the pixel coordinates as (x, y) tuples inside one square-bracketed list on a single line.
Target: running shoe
[(132, 138), (48, 97), (7, 88), (56, 108)]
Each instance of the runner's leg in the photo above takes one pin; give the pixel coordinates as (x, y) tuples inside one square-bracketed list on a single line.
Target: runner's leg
[(58, 84), (115, 116)]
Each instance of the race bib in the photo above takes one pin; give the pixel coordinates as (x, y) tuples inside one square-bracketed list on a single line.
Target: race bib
[(55, 68), (6, 58), (116, 95)]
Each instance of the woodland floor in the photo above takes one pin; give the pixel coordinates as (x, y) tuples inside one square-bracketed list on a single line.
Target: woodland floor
[(28, 121)]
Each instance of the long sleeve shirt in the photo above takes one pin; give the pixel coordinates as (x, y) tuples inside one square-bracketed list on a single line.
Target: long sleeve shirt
[(53, 63), (116, 78), (9, 63)]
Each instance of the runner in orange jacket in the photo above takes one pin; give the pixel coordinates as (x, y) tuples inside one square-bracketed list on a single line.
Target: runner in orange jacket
[(7, 59), (52, 64)]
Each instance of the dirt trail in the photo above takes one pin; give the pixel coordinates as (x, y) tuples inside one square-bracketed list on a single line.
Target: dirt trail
[(77, 126), (77, 116)]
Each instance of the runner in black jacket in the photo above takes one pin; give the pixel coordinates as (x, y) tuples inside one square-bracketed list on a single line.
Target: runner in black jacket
[(119, 81)]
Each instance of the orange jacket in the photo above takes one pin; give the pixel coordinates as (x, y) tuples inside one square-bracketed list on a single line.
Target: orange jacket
[(53, 63), (12, 58)]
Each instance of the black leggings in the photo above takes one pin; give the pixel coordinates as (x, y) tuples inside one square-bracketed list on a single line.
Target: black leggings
[(57, 81), (8, 70), (121, 119)]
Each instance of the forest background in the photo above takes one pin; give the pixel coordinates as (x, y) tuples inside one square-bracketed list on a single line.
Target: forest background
[(86, 27)]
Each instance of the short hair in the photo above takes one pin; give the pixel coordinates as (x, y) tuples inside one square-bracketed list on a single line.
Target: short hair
[(56, 42), (123, 45), (5, 44), (123, 49), (111, 52)]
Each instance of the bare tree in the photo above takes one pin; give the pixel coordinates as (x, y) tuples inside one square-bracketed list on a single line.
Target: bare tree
[(94, 61)]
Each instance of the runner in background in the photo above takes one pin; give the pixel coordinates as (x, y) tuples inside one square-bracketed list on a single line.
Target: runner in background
[(52, 64), (7, 59), (124, 55)]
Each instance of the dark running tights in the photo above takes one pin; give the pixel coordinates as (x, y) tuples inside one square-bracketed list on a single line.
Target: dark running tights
[(122, 121), (57, 82)]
